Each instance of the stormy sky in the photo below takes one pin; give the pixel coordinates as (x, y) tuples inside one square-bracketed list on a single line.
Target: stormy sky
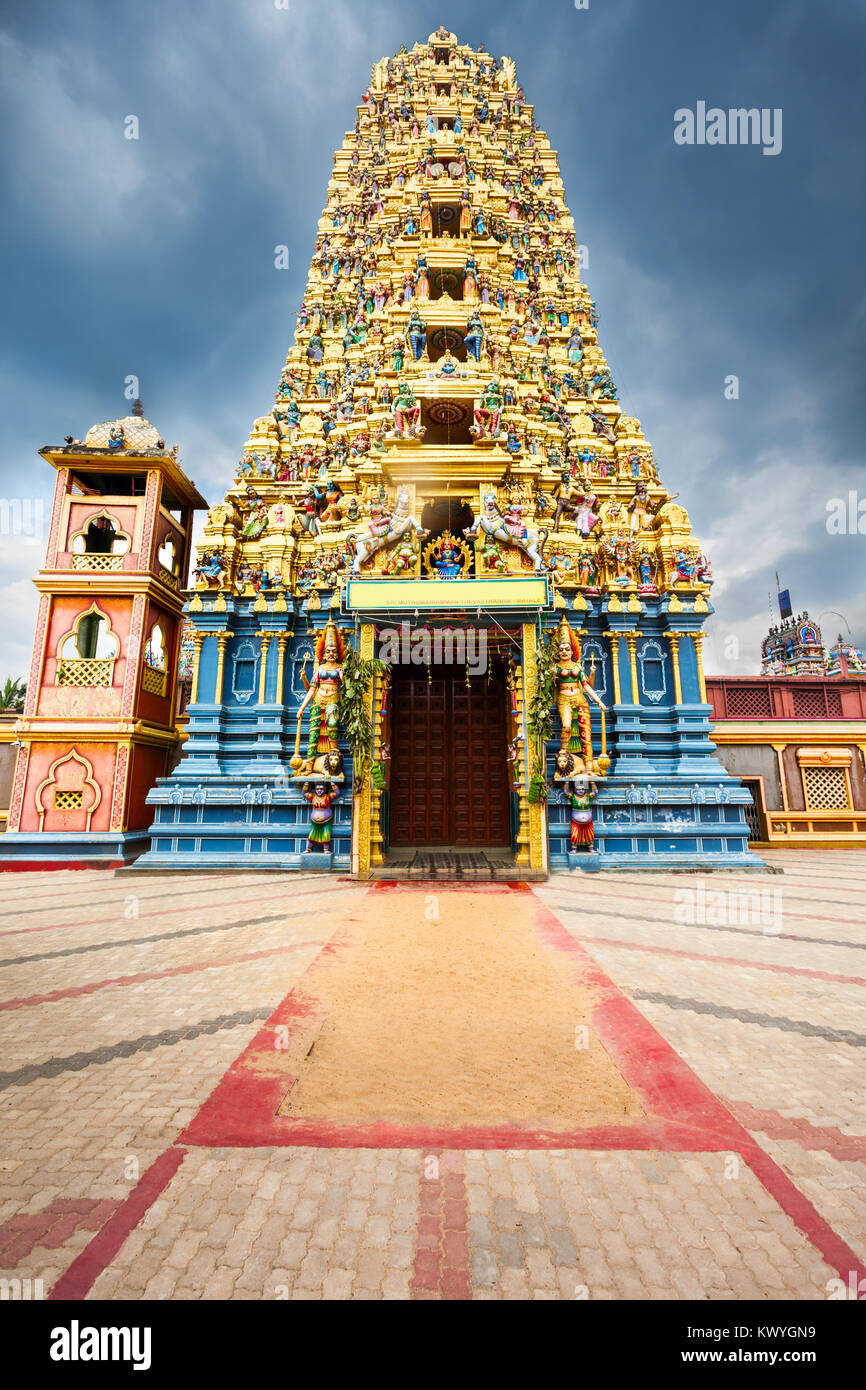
[(155, 257)]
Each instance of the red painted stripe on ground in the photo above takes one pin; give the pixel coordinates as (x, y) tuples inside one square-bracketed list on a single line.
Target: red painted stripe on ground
[(683, 1113), (242, 1111), (27, 893), (837, 1253), (722, 960), (827, 1138), (98, 1254), (167, 911), (143, 976), (662, 1072), (666, 1084), (597, 898)]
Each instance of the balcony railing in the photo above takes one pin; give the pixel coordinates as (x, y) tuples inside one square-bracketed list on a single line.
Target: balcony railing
[(86, 671), (97, 562), (792, 697)]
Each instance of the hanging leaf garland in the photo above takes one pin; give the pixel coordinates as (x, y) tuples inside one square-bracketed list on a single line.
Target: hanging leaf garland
[(354, 713), (539, 715)]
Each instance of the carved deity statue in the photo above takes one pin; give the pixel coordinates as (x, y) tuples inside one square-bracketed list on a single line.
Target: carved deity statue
[(573, 693), (323, 700)]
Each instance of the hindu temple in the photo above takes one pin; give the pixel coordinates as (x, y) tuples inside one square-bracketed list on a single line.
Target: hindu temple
[(447, 605)]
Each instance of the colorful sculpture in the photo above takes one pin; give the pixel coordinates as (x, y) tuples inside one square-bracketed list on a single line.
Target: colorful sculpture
[(323, 700), (407, 414), (579, 796), (510, 529), (474, 336), (573, 693), (488, 412), (322, 798), (416, 335), (386, 529)]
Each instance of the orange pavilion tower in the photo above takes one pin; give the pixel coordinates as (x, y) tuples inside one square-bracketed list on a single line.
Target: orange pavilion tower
[(98, 721)]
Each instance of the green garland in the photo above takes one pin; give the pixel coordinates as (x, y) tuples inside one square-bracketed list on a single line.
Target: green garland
[(539, 714), (354, 713)]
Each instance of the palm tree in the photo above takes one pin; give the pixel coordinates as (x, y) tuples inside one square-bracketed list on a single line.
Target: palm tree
[(12, 697)]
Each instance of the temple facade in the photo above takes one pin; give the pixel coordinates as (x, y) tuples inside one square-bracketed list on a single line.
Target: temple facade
[(447, 606)]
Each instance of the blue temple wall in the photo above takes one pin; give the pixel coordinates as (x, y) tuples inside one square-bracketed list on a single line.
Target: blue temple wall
[(232, 800), (667, 802)]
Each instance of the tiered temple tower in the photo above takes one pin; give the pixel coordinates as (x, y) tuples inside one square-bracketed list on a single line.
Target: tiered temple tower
[(447, 469), (98, 724)]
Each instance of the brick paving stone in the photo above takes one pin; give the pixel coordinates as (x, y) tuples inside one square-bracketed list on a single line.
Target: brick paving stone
[(359, 1223)]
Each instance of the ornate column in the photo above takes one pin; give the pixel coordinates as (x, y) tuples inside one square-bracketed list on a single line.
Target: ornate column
[(631, 639), (779, 749), (222, 641), (197, 644), (361, 798), (535, 809), (282, 642), (698, 639), (263, 668), (521, 858), (674, 639), (614, 638), (376, 837)]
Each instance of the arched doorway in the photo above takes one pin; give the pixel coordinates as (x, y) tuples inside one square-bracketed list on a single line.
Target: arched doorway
[(452, 514)]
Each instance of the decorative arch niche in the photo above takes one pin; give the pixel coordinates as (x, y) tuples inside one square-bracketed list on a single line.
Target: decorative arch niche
[(652, 671), (155, 672), (245, 665), (69, 795), (87, 652), (100, 544)]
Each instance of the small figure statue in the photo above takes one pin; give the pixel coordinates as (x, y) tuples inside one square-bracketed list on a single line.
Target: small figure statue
[(601, 426), (212, 568), (620, 551), (257, 522), (643, 510), (509, 529), (579, 795), (474, 336), (574, 347), (422, 280), (688, 567), (416, 335), (385, 527), (488, 412), (407, 414), (587, 572), (645, 573), (321, 799)]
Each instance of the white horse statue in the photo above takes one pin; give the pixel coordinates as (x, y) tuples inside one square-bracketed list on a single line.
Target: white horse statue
[(385, 529), (510, 529)]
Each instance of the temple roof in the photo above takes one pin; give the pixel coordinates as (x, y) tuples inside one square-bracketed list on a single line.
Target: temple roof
[(138, 433)]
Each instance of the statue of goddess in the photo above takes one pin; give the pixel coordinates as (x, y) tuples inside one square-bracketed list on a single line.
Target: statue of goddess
[(573, 694), (324, 697)]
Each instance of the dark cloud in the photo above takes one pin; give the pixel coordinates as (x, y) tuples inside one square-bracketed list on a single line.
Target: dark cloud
[(155, 257)]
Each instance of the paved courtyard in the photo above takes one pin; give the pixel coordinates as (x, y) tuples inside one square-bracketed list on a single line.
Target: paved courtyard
[(652, 1089)]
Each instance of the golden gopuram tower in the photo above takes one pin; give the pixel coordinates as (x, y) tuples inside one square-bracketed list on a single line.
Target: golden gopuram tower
[(448, 619)]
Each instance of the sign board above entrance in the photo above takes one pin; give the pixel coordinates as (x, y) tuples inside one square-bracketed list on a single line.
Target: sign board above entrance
[(517, 591)]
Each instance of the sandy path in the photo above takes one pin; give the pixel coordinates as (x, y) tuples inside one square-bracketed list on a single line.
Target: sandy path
[(464, 1019)]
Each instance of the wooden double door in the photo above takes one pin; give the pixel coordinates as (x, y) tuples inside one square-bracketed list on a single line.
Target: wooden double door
[(449, 770)]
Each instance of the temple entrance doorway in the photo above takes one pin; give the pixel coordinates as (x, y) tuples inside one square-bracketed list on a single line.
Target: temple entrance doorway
[(449, 769)]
